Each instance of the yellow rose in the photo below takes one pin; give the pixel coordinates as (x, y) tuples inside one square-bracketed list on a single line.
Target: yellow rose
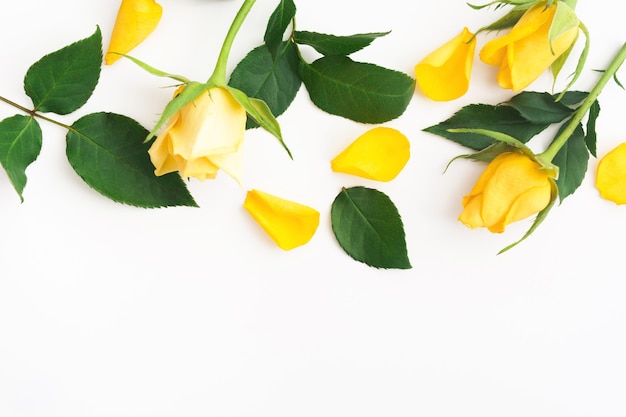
[(204, 136), (136, 19), (445, 73), (512, 188), (526, 51)]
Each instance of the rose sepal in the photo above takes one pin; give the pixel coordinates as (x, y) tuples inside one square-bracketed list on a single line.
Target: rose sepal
[(505, 143), (554, 193), (261, 113)]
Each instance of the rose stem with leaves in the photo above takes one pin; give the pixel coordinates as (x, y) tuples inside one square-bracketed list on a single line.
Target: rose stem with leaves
[(560, 140)]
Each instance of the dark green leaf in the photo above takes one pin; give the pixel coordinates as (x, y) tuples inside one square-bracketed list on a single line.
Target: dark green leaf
[(277, 25), (276, 82), (572, 161), (502, 119), (368, 227), (63, 81), (572, 98), (539, 108), (336, 45), (20, 144), (108, 152), (358, 91), (590, 137)]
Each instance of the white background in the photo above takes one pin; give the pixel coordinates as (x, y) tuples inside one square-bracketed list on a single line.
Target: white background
[(110, 310)]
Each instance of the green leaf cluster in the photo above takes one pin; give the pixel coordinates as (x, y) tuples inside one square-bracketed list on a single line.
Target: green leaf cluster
[(523, 117), (106, 150), (338, 85)]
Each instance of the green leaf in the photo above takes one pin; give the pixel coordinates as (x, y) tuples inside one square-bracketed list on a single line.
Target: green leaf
[(571, 99), (591, 136), (277, 25), (276, 82), (368, 227), (63, 81), (572, 160), (504, 119), (539, 108), (336, 45), (107, 151), (20, 144), (358, 91)]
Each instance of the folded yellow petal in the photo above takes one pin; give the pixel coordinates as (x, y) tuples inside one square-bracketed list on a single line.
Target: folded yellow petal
[(611, 175), (445, 73), (136, 19), (288, 223), (379, 154)]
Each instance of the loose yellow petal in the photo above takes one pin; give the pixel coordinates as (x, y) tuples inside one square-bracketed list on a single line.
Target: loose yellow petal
[(136, 19), (379, 154), (611, 175), (445, 73), (288, 223)]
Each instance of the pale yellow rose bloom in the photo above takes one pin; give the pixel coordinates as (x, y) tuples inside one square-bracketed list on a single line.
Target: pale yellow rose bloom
[(206, 135), (611, 175), (526, 52), (136, 19), (379, 154), (444, 74), (512, 187), (288, 223)]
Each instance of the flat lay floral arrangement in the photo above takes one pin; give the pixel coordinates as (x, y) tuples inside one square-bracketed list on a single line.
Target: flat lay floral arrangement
[(201, 130)]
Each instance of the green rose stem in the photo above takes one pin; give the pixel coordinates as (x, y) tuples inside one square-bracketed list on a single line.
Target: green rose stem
[(33, 113), (560, 140), (219, 74)]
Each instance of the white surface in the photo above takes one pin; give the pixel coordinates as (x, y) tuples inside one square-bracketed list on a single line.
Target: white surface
[(108, 310)]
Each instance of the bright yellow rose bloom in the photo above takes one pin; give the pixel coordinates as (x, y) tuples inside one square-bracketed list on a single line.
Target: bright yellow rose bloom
[(512, 188), (445, 73), (378, 154), (288, 223), (526, 52), (136, 19), (206, 135), (611, 175)]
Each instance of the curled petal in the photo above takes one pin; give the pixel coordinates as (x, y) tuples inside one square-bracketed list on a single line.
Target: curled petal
[(288, 223), (611, 175), (136, 19), (379, 154), (445, 73)]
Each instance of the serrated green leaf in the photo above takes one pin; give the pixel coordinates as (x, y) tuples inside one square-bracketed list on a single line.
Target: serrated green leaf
[(277, 24), (107, 151), (572, 160), (368, 227), (591, 136), (358, 91), (539, 108), (20, 144), (502, 119), (276, 82), (63, 81), (571, 99), (336, 45)]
